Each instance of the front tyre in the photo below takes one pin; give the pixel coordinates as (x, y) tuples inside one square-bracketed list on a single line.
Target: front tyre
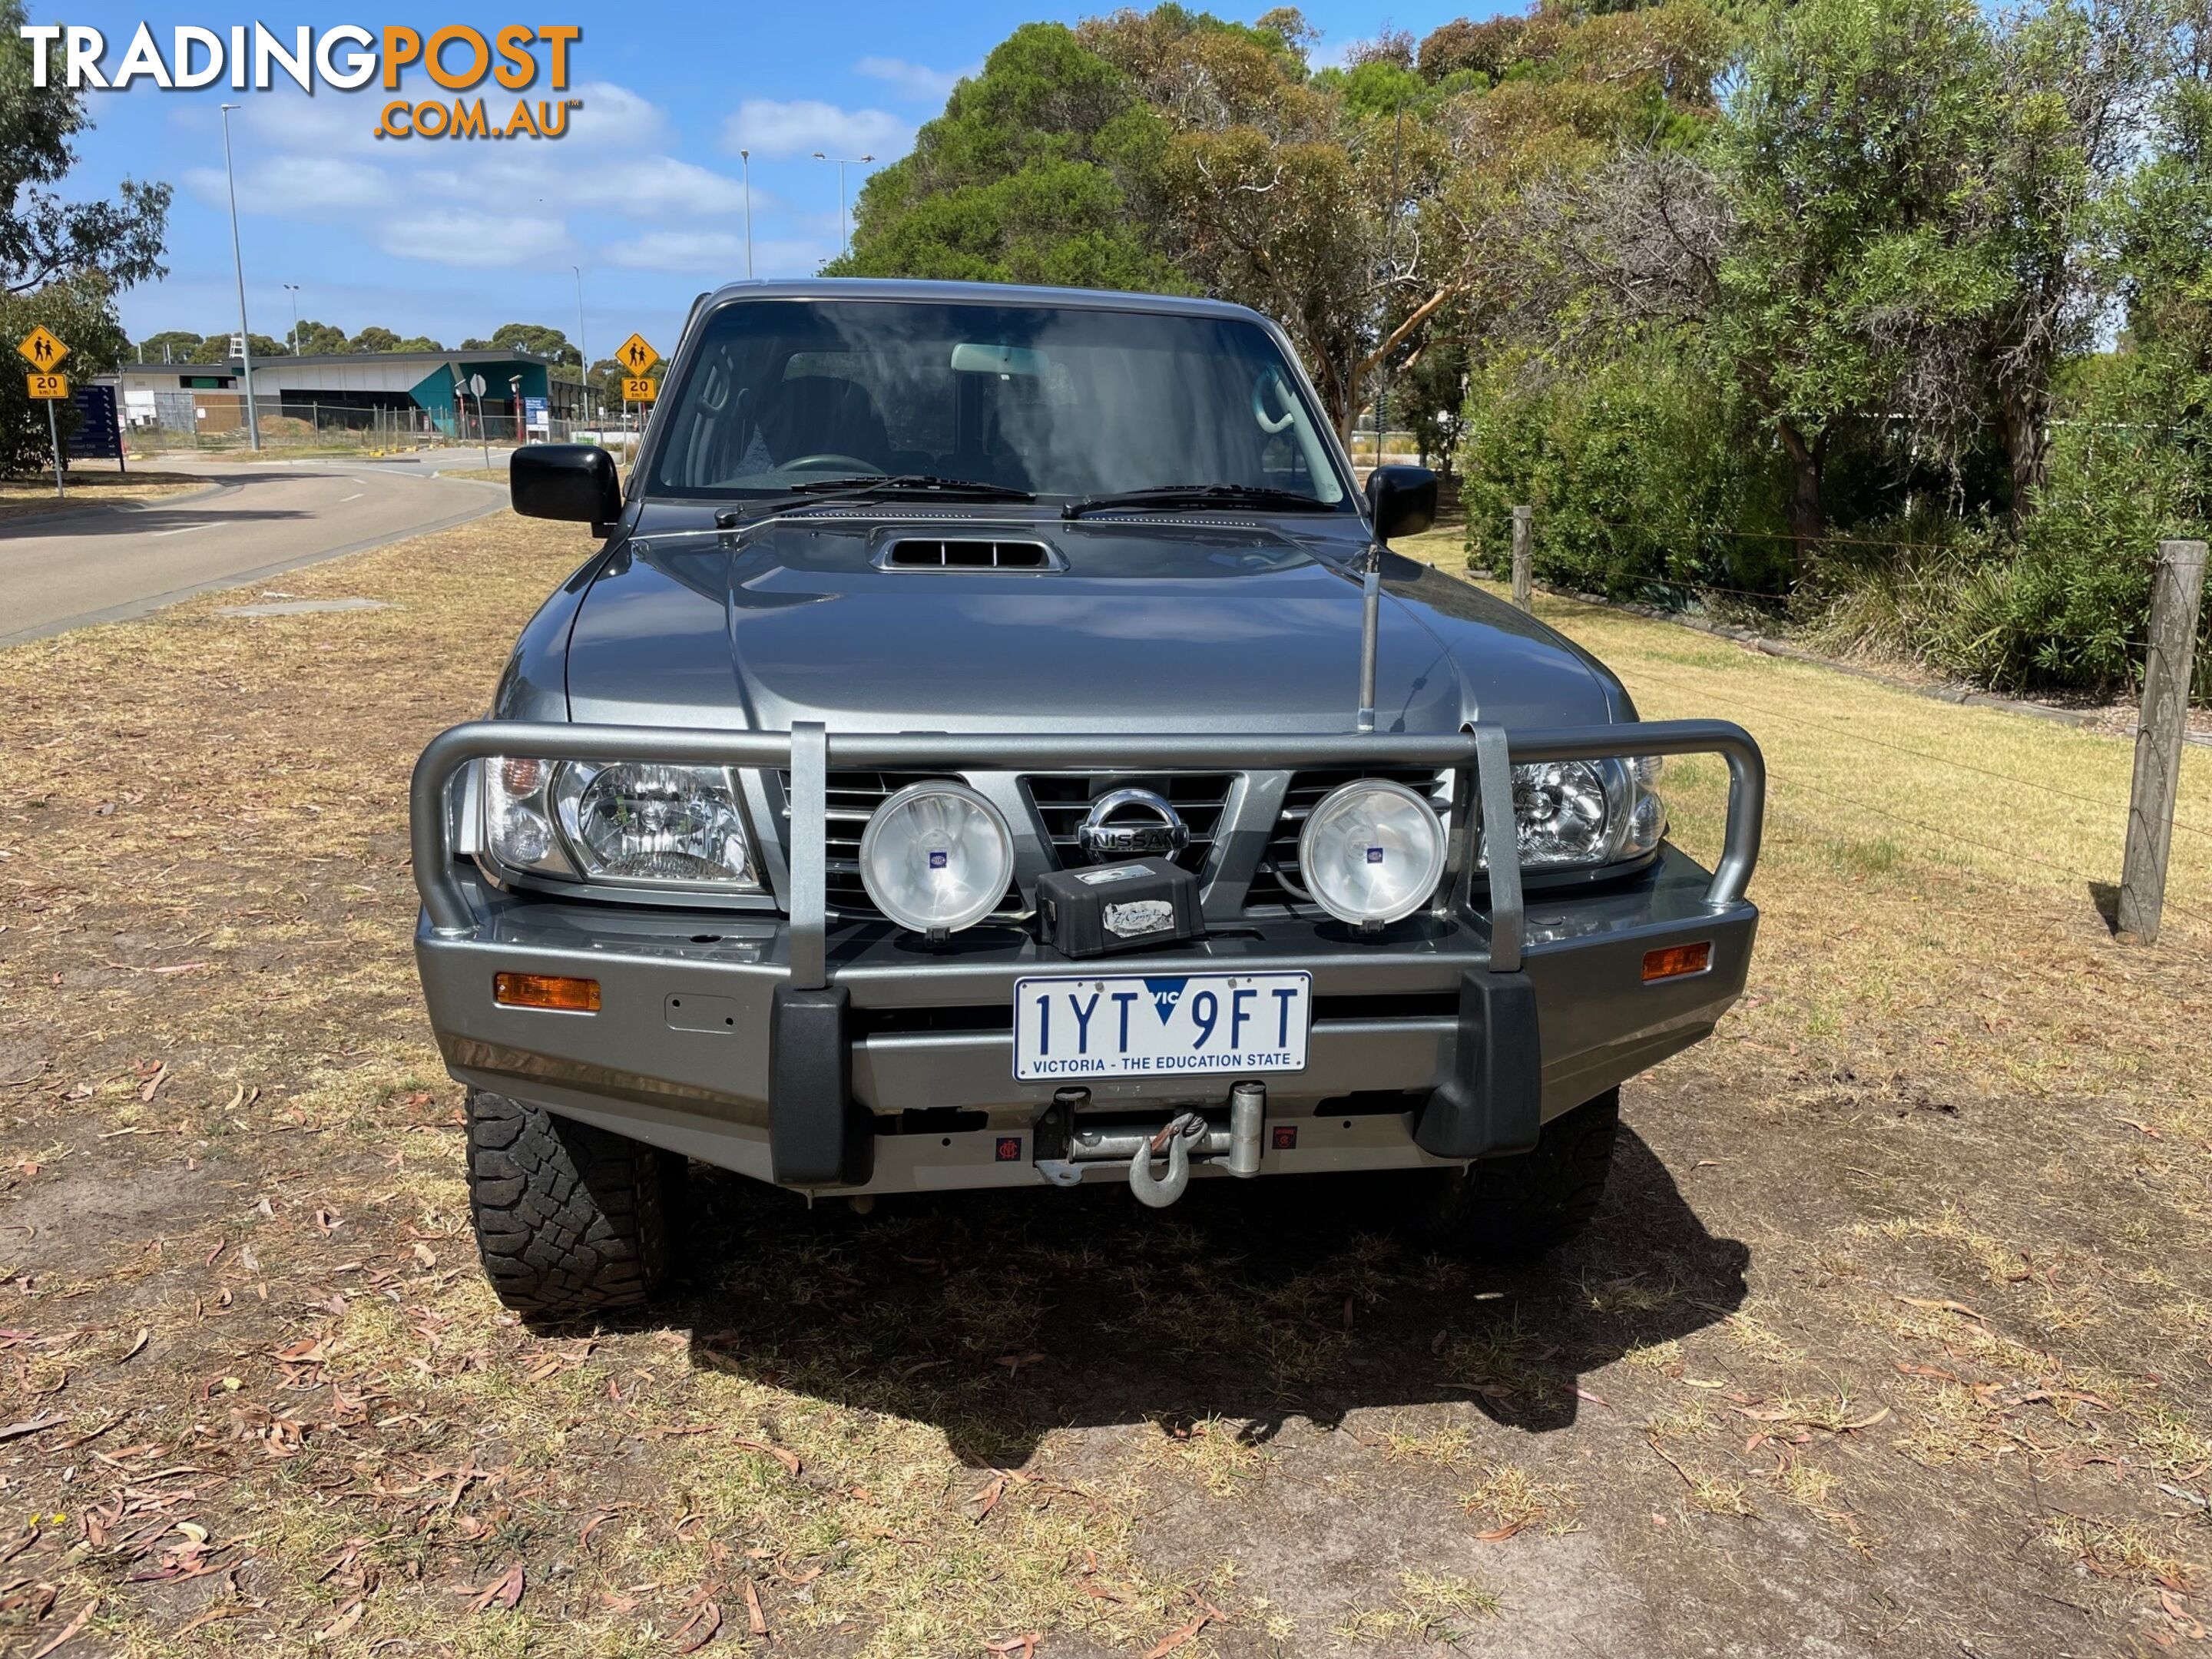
[(570, 1219), (1500, 1207)]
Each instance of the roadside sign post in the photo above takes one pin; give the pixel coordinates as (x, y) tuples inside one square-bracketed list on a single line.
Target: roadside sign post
[(44, 352), (54, 436), (483, 432), (636, 354)]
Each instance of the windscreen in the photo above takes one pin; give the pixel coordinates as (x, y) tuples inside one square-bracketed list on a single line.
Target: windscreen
[(1063, 402)]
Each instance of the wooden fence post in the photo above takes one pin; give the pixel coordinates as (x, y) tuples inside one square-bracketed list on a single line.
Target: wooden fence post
[(2176, 588), (1523, 528)]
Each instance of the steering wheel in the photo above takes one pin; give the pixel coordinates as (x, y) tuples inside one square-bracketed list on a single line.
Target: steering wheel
[(851, 463)]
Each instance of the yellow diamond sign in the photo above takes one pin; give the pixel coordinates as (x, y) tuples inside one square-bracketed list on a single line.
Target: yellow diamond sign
[(637, 354), (41, 350)]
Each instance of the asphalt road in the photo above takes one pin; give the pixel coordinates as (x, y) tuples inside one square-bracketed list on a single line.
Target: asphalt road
[(104, 563)]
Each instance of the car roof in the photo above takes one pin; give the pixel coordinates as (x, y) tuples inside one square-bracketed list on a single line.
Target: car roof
[(997, 294)]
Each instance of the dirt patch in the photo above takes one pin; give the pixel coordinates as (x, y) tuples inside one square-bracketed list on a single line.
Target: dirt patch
[(1891, 1337)]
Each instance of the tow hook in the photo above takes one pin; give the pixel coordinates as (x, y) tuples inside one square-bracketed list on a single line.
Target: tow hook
[(1174, 1140), (1188, 1132)]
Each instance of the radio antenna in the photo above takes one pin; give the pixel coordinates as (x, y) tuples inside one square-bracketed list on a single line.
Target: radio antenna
[(1371, 628)]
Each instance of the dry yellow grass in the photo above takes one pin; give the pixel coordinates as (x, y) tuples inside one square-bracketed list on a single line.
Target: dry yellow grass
[(1913, 1248)]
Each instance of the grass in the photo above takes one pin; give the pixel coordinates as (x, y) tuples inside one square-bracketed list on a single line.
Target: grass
[(1901, 1276)]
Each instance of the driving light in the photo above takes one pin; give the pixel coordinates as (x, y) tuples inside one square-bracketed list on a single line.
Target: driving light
[(641, 822), (1373, 851), (937, 858)]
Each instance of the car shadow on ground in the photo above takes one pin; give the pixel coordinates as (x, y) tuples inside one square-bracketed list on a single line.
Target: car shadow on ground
[(1000, 1316), (230, 505)]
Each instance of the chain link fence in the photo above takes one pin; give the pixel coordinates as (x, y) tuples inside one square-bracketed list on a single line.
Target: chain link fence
[(213, 422)]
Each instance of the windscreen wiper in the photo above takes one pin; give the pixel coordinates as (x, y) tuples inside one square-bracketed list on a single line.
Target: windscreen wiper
[(1169, 496), (915, 483), (897, 484)]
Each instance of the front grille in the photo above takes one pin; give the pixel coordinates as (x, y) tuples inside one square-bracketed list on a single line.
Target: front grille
[(852, 798), (1062, 800), (1277, 884)]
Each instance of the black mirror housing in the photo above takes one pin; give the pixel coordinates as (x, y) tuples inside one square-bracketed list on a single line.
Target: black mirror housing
[(575, 482), (1402, 501)]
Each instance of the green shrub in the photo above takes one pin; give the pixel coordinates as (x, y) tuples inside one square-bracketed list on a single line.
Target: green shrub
[(1645, 481), (2060, 606)]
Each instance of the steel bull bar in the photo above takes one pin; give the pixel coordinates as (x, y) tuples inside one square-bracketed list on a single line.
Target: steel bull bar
[(820, 1136)]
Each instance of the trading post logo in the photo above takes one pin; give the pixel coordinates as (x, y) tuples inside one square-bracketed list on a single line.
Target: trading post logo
[(344, 58)]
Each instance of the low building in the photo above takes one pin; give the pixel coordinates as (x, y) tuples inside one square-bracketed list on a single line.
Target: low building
[(402, 391)]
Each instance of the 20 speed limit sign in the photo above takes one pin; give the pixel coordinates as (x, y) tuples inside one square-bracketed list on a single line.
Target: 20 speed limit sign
[(640, 390), (49, 386)]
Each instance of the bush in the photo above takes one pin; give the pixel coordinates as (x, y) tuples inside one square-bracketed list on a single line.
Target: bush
[(1646, 481), (2063, 605)]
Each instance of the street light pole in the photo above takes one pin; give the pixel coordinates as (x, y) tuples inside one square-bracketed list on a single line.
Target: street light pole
[(746, 156), (844, 235), (293, 288), (583, 355), (238, 264)]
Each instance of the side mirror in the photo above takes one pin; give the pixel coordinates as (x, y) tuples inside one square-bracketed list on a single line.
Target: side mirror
[(1402, 501), (575, 482)]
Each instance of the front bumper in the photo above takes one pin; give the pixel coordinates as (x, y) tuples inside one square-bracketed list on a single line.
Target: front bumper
[(858, 1058), (679, 1053)]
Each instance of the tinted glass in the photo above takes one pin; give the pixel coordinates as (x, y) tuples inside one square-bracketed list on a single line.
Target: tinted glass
[(1064, 403)]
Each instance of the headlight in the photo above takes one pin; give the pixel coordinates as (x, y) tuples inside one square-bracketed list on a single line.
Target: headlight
[(1587, 812), (1373, 851), (937, 857), (519, 818), (641, 821), (622, 821)]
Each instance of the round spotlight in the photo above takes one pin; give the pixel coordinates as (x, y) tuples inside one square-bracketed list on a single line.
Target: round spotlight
[(1373, 851), (937, 857)]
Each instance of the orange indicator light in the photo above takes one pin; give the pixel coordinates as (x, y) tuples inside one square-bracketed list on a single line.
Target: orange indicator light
[(1677, 960), (574, 996)]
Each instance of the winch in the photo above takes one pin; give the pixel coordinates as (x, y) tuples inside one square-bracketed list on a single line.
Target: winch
[(1066, 1142)]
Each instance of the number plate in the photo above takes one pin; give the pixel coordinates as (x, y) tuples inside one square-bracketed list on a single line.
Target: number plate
[(1153, 1025)]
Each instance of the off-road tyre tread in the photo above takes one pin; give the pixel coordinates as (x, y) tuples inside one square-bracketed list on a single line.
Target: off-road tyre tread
[(570, 1219), (1521, 1206)]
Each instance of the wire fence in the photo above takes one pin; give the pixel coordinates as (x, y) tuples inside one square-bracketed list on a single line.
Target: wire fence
[(2039, 790), (205, 422)]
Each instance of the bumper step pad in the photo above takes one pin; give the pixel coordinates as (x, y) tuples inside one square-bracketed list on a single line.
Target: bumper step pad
[(819, 1134), (1494, 1104)]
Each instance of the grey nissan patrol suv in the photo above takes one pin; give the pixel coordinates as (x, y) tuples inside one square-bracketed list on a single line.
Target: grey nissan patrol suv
[(995, 746)]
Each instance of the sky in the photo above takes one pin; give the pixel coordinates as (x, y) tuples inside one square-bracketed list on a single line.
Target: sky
[(644, 197)]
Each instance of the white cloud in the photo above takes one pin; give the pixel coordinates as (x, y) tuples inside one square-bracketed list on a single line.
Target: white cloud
[(717, 253), (466, 237), (915, 81), (658, 184), (714, 250), (803, 126), (285, 186), (613, 117), (470, 203)]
